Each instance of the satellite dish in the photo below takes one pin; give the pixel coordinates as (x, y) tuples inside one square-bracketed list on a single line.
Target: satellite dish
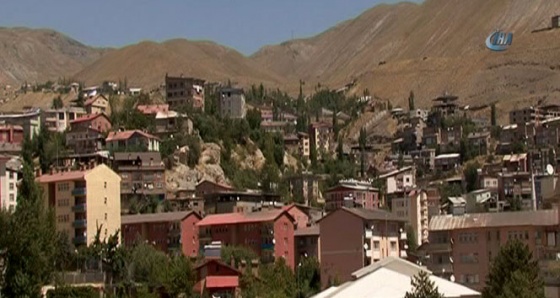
[(452, 278), (549, 169)]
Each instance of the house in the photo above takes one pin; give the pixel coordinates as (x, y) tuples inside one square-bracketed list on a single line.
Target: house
[(11, 134), (231, 103), (217, 279), (184, 91), (240, 201), (132, 140), (445, 105), (142, 173), (391, 278), (166, 121), (456, 205), (275, 126), (369, 236), (463, 246), (479, 141), (447, 162), (270, 234), (481, 200), (412, 207), (170, 232), (451, 139), (532, 115), (10, 171), (83, 201), (59, 119), (424, 158), (351, 194), (85, 140), (399, 180), (431, 137), (99, 122), (97, 104), (267, 115)]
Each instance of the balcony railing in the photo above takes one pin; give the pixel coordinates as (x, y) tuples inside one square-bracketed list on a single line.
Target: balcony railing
[(79, 208), (267, 246), (79, 191), (80, 223)]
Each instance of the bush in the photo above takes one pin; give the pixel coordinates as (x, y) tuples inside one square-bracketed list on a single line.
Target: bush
[(73, 292)]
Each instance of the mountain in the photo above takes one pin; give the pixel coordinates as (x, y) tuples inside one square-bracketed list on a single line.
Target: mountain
[(430, 48), (145, 64), (38, 55)]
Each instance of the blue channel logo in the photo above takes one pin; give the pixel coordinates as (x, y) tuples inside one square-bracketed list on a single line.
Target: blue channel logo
[(499, 41)]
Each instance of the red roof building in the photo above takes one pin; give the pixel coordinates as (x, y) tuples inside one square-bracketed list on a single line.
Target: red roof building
[(168, 232), (99, 122), (132, 140), (270, 234), (216, 279), (152, 109)]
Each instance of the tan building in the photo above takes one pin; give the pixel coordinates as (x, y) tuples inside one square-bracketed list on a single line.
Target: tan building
[(59, 119), (399, 180), (84, 201), (464, 246), (231, 103), (97, 104), (184, 91), (413, 208)]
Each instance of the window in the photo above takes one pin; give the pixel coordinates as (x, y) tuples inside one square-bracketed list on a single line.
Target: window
[(12, 197), (11, 186), (105, 200), (393, 245), (105, 216), (105, 184), (376, 245), (11, 175)]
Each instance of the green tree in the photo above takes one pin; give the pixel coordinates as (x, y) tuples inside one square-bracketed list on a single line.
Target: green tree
[(279, 279), (471, 176), (411, 240), (254, 119), (515, 203), (179, 277), (57, 103), (340, 150), (423, 287), (29, 242), (237, 254), (514, 271), (362, 141), (493, 114), (411, 106), (308, 277)]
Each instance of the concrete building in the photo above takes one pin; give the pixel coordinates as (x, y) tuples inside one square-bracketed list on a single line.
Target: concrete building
[(30, 120), (97, 104), (307, 243), (481, 200), (170, 232), (463, 246), (352, 194), (321, 134), (369, 236), (184, 91), (132, 140), (240, 202), (424, 158), (399, 180), (304, 144), (391, 278), (270, 234), (305, 187), (142, 173), (412, 207), (84, 201), (59, 119), (10, 169), (167, 121), (87, 134), (480, 142), (11, 134), (532, 115), (231, 103), (275, 126), (445, 105), (447, 162)]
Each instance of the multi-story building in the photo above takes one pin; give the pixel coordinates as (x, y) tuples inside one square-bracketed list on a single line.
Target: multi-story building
[(99, 122), (59, 119), (30, 120), (451, 139), (142, 173), (399, 180), (10, 168), (267, 115), (170, 232), (516, 186), (320, 133), (97, 104), (84, 201), (131, 140), (447, 162), (270, 234), (480, 142), (464, 246), (369, 236), (445, 105), (87, 134), (166, 121), (231, 103), (304, 145), (431, 137), (184, 91), (532, 115), (305, 187), (11, 134), (240, 201), (424, 158), (275, 126), (352, 194), (307, 243), (412, 207)]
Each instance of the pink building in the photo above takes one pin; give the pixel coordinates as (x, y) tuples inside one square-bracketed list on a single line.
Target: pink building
[(351, 194)]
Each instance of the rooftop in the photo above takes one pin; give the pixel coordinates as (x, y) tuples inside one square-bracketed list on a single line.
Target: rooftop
[(492, 220), (127, 134), (239, 218), (448, 155), (92, 99), (395, 172), (88, 118), (152, 109), (367, 215), (155, 217), (62, 176), (309, 231)]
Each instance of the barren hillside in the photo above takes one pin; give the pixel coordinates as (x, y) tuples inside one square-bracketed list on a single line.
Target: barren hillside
[(39, 55), (145, 64)]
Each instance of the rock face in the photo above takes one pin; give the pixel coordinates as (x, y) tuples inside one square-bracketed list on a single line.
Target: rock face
[(208, 168), (246, 160)]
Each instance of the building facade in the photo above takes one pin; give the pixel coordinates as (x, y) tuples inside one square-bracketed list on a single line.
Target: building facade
[(184, 91), (59, 119), (131, 140), (231, 103), (352, 194), (142, 173)]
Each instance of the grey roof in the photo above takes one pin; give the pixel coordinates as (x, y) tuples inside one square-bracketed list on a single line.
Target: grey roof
[(309, 231), (457, 200), (393, 263), (373, 214), (490, 220), (155, 217)]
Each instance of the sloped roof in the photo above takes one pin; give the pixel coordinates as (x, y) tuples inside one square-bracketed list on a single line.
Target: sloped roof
[(216, 282), (127, 134), (152, 109), (309, 231), (62, 176), (88, 117), (489, 220), (92, 99), (237, 218), (156, 217)]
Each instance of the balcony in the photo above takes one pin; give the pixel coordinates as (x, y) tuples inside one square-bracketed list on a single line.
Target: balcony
[(439, 269), (80, 223), (79, 208), (80, 240), (267, 246), (439, 247), (79, 191)]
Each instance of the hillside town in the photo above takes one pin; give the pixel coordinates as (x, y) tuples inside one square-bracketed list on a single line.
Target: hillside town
[(441, 187)]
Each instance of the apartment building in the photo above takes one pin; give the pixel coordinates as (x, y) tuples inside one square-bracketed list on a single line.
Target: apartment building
[(231, 103), (10, 169), (412, 207), (516, 186), (170, 232), (445, 105), (84, 201), (97, 104), (132, 140), (464, 246), (321, 134), (304, 145), (30, 120), (304, 187), (87, 134), (59, 119), (424, 158), (368, 236), (184, 91), (275, 126), (447, 162), (167, 121), (352, 194), (142, 173), (240, 201), (307, 243), (399, 180), (451, 139), (270, 234), (532, 115), (480, 142)]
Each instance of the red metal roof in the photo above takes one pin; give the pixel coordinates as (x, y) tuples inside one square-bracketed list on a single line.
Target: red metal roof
[(125, 135), (237, 218), (152, 109), (87, 118), (213, 282)]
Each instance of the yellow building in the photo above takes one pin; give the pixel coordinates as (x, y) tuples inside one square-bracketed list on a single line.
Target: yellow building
[(84, 201)]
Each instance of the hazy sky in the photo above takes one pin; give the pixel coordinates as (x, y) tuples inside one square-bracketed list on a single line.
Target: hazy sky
[(245, 25)]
